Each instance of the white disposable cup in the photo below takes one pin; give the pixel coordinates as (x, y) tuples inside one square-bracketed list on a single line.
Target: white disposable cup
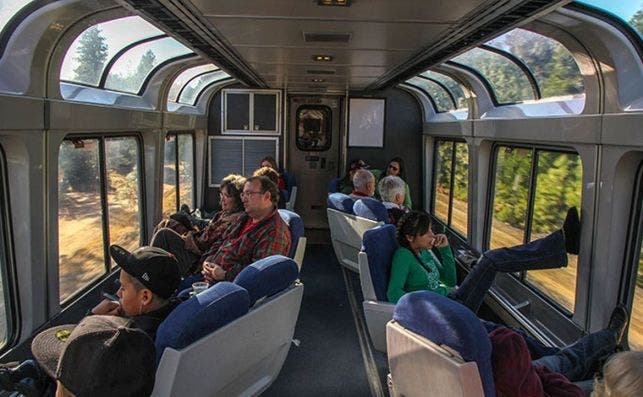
[(199, 287)]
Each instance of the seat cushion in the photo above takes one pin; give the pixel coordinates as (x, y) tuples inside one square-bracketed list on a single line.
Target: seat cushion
[(267, 277), (380, 244), (447, 322), (201, 315), (370, 208), (341, 202), (296, 225)]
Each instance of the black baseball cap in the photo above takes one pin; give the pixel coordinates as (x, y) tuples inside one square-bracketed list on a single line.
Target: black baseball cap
[(101, 356), (357, 164), (154, 267)]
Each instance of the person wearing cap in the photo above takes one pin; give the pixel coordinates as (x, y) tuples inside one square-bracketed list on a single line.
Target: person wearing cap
[(149, 278), (363, 184), (345, 185), (259, 233), (101, 356)]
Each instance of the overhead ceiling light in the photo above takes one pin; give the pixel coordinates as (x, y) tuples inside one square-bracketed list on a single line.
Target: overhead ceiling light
[(322, 58), (317, 80), (336, 3)]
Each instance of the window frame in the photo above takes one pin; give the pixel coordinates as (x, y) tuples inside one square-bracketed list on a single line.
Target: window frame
[(9, 286), (627, 286), (529, 213), (434, 180), (102, 172), (176, 134), (329, 126)]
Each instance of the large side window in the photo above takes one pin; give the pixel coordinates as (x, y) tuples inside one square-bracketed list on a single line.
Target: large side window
[(178, 172), (635, 282), (450, 190), (6, 319), (99, 198), (533, 189)]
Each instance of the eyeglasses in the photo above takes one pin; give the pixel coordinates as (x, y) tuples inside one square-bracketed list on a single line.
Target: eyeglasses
[(248, 194)]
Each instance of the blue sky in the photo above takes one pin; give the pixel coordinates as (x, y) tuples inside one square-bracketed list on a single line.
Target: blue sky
[(623, 8)]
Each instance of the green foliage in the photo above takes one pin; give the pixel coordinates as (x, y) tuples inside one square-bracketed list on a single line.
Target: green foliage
[(91, 56), (79, 168), (121, 154), (133, 81), (513, 170), (637, 21)]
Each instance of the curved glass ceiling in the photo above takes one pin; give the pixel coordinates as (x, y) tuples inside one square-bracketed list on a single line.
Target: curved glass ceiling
[(508, 81), (191, 91), (132, 67), (629, 11), (185, 76), (92, 51), (440, 97), (453, 87), (9, 8), (550, 63)]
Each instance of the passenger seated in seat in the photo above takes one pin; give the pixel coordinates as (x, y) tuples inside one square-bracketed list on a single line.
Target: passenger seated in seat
[(392, 192), (259, 233), (363, 184), (101, 356), (415, 268), (517, 373), (273, 175), (194, 246), (270, 161), (345, 185), (149, 278), (396, 167)]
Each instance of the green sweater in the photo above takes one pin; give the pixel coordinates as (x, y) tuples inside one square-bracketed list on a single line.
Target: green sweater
[(408, 275)]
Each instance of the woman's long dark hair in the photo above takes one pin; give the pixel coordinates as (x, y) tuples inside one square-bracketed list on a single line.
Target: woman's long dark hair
[(413, 223), (398, 160)]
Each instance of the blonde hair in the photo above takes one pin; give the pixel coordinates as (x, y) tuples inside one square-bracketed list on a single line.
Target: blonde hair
[(622, 376)]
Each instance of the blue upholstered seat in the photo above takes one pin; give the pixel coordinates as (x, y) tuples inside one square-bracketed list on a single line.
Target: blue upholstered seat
[(447, 322), (370, 208), (296, 226), (341, 202), (380, 244), (267, 277), (201, 315)]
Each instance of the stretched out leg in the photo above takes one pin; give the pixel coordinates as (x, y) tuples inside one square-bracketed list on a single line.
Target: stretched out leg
[(172, 242), (545, 253)]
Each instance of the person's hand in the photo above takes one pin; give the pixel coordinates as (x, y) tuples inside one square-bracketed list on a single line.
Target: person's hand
[(107, 307), (212, 272), (441, 241)]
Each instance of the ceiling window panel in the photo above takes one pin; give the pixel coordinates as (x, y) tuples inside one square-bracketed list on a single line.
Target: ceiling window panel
[(186, 76), (132, 68), (551, 64), (508, 82), (454, 88), (8, 9), (441, 99), (192, 89), (630, 12), (93, 49)]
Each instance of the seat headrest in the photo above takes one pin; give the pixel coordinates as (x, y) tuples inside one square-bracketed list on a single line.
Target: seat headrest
[(380, 244), (341, 202), (267, 277), (370, 208), (447, 322), (201, 315), (296, 226)]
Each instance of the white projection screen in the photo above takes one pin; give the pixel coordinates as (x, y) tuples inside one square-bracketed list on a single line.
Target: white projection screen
[(366, 122)]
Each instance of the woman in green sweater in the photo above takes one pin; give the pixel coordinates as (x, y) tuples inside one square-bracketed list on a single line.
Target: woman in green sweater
[(415, 267)]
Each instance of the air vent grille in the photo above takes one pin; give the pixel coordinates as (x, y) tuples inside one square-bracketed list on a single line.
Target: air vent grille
[(320, 71), (312, 37)]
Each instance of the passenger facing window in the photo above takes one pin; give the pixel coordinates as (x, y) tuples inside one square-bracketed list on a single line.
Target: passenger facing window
[(450, 189), (99, 198), (533, 188), (178, 172)]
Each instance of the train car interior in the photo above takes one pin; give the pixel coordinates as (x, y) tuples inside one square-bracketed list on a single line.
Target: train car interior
[(498, 116)]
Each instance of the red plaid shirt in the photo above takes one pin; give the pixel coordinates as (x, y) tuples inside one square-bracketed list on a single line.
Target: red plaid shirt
[(271, 236)]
